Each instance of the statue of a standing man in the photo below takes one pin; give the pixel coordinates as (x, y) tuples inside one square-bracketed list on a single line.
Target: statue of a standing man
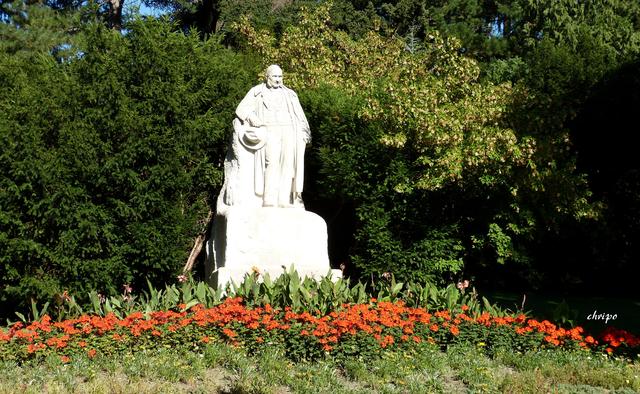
[(279, 171)]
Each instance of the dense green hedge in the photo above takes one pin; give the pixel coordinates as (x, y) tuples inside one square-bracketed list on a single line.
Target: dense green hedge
[(354, 176), (109, 159)]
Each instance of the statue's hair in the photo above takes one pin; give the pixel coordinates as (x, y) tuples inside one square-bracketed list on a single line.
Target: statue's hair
[(270, 69)]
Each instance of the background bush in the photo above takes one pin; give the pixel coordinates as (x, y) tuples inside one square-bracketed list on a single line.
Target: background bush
[(110, 158)]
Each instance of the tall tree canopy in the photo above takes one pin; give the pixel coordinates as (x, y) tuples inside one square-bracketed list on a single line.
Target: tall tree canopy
[(109, 160)]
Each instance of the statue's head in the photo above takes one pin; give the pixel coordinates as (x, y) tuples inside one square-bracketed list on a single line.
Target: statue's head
[(273, 76)]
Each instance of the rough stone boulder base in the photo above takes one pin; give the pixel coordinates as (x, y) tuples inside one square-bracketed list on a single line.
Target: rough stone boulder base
[(267, 239)]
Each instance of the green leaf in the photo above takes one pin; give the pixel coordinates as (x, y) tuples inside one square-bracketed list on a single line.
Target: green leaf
[(21, 317)]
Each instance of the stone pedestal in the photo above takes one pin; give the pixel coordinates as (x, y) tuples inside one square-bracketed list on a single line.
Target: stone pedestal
[(267, 239)]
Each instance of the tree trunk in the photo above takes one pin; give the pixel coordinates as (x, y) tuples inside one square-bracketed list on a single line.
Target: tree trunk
[(197, 246), (207, 17), (115, 14)]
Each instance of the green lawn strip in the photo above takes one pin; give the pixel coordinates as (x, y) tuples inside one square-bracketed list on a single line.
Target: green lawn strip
[(477, 371), (423, 370), (226, 369), (566, 369), (269, 371), (218, 367), (152, 371)]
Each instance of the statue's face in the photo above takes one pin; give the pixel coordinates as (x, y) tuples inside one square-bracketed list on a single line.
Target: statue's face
[(274, 78)]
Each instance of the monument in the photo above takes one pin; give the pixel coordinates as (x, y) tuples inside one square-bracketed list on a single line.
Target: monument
[(261, 224)]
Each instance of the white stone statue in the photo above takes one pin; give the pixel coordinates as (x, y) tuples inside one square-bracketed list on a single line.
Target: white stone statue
[(270, 135), (254, 228)]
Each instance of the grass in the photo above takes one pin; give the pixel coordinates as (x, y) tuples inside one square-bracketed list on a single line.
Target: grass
[(219, 368)]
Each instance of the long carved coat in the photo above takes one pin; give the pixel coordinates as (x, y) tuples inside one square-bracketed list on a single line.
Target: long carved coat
[(254, 102)]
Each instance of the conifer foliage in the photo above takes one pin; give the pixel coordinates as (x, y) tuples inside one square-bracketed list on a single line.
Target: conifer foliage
[(109, 159)]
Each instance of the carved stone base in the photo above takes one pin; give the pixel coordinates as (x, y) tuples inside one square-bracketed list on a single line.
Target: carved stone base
[(267, 239)]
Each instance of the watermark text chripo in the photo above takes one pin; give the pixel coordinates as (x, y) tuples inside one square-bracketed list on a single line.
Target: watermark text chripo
[(602, 316)]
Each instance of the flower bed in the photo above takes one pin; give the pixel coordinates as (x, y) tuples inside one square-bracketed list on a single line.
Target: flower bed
[(354, 330)]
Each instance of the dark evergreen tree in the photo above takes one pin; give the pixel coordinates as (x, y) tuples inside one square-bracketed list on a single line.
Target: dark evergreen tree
[(110, 160)]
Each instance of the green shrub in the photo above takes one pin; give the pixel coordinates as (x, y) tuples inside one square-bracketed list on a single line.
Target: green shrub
[(110, 159), (353, 174)]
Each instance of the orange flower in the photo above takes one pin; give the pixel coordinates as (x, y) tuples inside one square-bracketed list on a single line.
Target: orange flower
[(499, 321), (454, 330), (386, 341), (551, 339), (4, 336), (230, 333), (433, 327), (91, 353), (32, 348), (443, 314), (65, 359)]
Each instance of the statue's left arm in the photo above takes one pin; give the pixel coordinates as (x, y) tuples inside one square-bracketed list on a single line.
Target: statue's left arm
[(303, 124)]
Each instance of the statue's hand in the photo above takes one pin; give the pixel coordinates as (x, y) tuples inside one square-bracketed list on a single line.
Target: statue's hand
[(254, 121)]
